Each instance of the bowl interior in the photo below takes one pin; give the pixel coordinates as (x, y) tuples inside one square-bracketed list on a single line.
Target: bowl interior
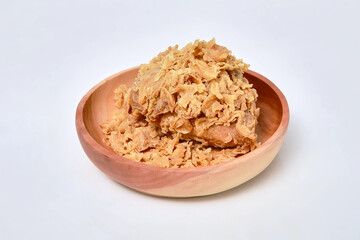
[(100, 105), (271, 109)]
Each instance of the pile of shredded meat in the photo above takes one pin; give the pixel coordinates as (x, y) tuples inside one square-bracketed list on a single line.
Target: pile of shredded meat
[(187, 108)]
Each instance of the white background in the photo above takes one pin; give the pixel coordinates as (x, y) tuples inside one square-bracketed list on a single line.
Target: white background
[(53, 52)]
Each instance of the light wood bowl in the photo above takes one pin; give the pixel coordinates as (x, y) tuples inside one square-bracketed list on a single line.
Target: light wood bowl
[(97, 106)]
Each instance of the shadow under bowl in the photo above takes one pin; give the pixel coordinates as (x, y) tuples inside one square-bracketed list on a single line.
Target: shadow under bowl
[(97, 106)]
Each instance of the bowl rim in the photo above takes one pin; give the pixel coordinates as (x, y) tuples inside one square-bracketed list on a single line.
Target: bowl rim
[(82, 130)]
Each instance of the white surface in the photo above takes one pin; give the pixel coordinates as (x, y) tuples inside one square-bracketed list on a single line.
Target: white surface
[(53, 52)]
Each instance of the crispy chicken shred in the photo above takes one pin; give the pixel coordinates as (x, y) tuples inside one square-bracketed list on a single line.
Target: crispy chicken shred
[(188, 107)]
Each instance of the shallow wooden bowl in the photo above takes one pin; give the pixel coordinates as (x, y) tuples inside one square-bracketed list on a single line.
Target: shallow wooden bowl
[(97, 106)]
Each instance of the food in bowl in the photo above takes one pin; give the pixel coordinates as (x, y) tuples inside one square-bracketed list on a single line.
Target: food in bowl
[(188, 107)]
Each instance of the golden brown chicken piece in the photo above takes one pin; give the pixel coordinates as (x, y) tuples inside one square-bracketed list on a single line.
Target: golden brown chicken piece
[(195, 97)]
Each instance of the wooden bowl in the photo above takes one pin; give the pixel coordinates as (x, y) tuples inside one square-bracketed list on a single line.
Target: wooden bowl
[(97, 106)]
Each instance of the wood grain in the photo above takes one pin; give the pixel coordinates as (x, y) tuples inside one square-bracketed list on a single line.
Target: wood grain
[(97, 106)]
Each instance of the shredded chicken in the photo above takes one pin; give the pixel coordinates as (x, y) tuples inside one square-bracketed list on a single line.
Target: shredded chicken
[(187, 108)]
